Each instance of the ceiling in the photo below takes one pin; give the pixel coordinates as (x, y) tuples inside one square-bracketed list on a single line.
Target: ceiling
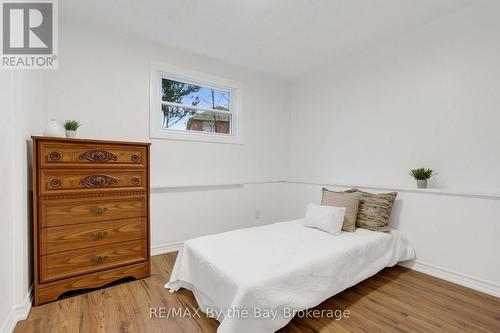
[(284, 38)]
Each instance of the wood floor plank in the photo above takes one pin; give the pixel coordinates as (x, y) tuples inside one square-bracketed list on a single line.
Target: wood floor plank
[(395, 300)]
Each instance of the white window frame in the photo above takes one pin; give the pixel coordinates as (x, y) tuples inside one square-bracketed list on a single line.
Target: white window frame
[(158, 70)]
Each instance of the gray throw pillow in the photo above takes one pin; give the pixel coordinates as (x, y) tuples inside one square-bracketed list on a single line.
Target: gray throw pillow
[(374, 211)]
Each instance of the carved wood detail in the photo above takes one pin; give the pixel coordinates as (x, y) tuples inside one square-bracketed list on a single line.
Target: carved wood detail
[(97, 156), (92, 195), (55, 183), (135, 181), (98, 181), (136, 158), (54, 156)]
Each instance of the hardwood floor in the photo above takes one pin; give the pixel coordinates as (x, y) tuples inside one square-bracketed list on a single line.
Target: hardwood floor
[(395, 300)]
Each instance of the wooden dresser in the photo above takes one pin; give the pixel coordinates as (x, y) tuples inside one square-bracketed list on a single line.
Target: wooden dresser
[(91, 214)]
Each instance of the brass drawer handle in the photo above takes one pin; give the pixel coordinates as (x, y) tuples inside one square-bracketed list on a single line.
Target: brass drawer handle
[(97, 156), (98, 210), (98, 235), (99, 180), (98, 259)]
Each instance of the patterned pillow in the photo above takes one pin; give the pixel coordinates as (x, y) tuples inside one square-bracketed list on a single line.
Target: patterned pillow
[(341, 199), (374, 211)]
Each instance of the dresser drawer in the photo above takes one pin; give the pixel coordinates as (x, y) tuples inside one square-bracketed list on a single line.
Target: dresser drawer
[(57, 154), (79, 236), (64, 212), (61, 181), (65, 264)]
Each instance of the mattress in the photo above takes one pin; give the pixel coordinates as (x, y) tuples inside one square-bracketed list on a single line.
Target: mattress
[(253, 280)]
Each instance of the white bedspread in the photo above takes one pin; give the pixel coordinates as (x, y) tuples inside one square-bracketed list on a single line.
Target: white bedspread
[(278, 267)]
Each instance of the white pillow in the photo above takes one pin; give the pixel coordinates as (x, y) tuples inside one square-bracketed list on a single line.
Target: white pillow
[(326, 218)]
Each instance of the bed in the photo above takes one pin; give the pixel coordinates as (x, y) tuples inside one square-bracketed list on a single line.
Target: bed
[(252, 280)]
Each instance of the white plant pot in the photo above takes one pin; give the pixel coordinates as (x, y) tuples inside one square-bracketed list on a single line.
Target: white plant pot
[(54, 129), (70, 134), (422, 183)]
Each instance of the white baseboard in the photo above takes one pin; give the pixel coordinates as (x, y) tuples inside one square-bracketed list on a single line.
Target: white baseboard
[(10, 322), (166, 248), (455, 277), (19, 312)]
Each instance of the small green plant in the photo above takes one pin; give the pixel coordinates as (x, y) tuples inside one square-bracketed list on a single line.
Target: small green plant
[(71, 125), (422, 173)]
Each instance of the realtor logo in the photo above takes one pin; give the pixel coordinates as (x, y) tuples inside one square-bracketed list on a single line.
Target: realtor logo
[(29, 34)]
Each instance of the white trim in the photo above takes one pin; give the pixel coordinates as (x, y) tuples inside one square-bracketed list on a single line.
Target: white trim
[(158, 70), (166, 248), (10, 322), (18, 313), (195, 187), (468, 281), (437, 191), (23, 309)]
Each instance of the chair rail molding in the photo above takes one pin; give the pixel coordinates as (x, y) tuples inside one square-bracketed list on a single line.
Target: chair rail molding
[(432, 191)]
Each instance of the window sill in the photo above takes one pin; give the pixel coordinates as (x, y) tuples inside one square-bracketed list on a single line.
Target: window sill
[(197, 137)]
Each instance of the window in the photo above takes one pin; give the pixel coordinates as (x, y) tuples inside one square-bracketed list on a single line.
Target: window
[(187, 105)]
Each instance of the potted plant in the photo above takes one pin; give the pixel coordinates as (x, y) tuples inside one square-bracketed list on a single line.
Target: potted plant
[(421, 175), (71, 126)]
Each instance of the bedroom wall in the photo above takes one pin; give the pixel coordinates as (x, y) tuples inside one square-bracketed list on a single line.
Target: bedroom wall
[(6, 204), (428, 98), (103, 81), (21, 98)]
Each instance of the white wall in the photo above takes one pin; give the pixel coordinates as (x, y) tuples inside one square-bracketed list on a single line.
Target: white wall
[(6, 203), (181, 214), (21, 97), (29, 101), (103, 81), (429, 98)]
